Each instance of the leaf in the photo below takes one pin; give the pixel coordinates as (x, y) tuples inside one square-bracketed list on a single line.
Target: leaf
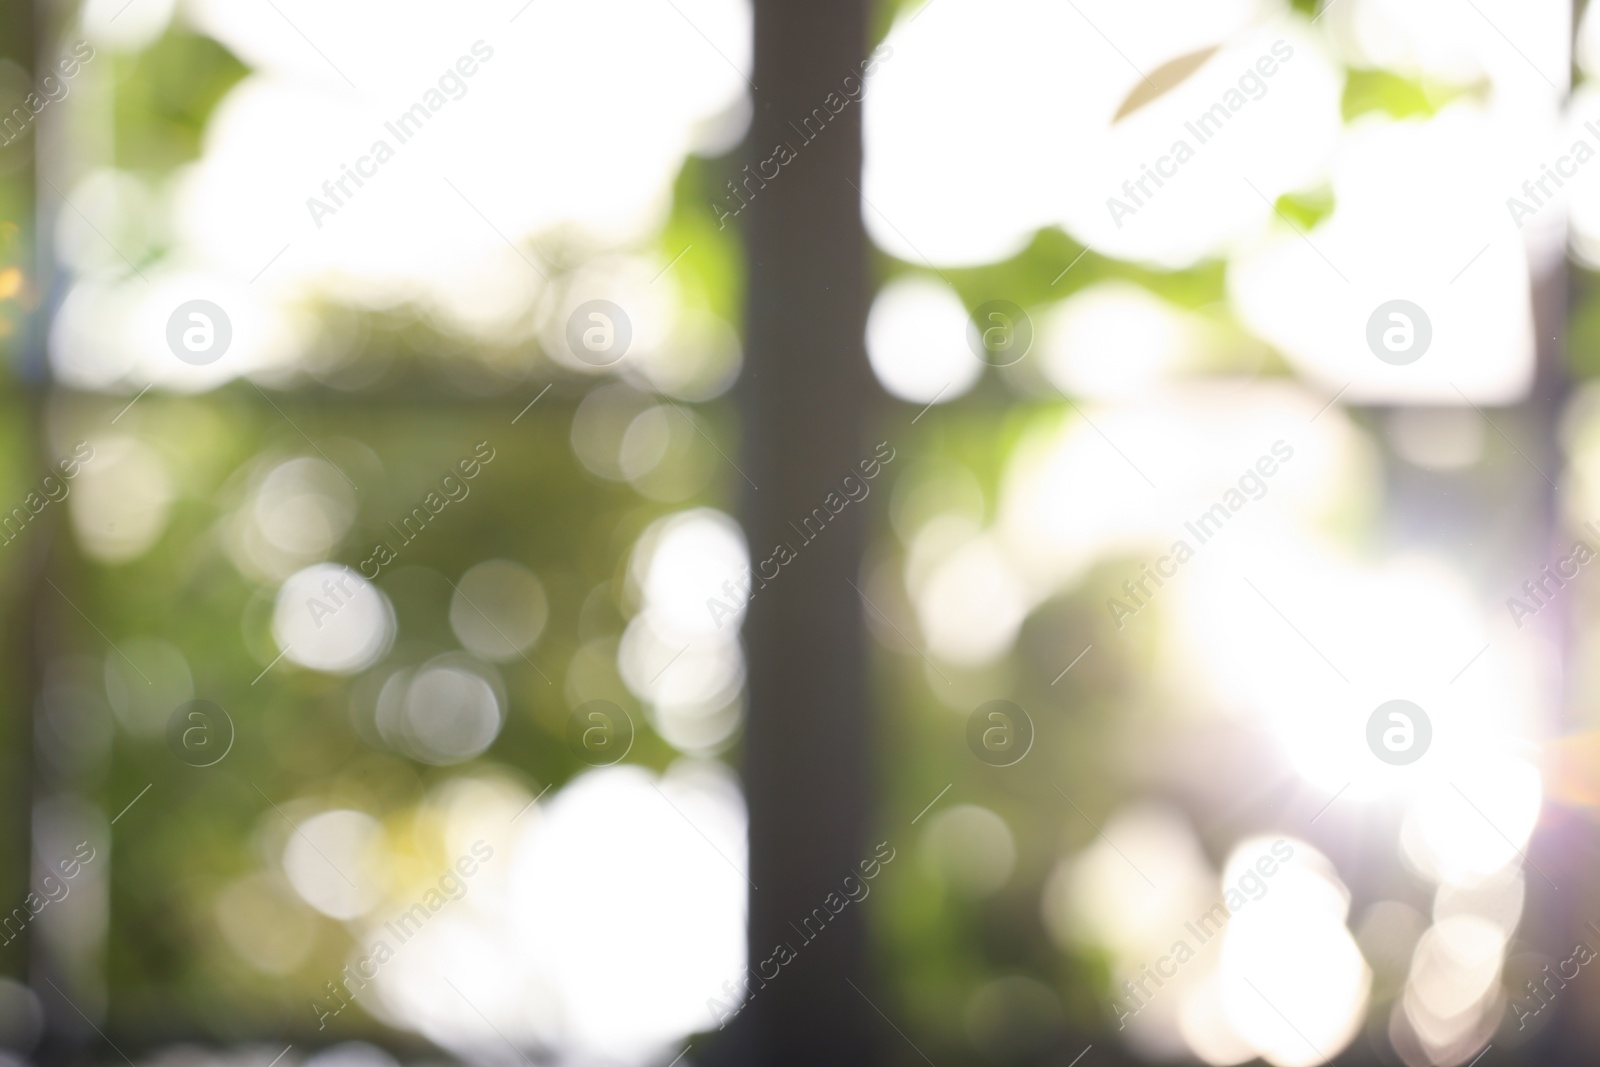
[(1163, 80)]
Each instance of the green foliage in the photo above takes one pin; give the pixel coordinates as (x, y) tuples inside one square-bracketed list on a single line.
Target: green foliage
[(711, 273), (18, 294), (199, 829), (1306, 207), (942, 947), (1053, 267), (1399, 97), (1583, 326), (164, 96)]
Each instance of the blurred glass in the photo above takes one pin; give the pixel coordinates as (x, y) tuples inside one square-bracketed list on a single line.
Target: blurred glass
[(373, 575)]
